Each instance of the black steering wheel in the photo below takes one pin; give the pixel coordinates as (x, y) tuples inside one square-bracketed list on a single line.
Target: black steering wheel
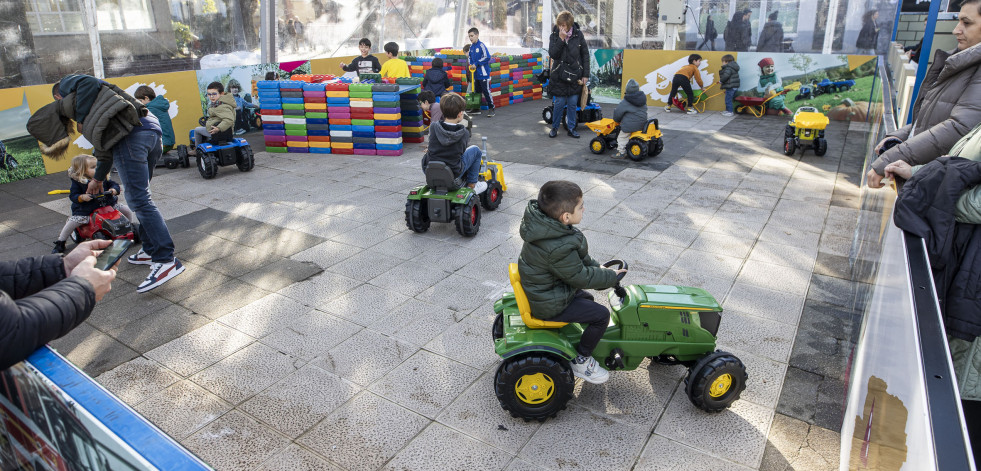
[(618, 265)]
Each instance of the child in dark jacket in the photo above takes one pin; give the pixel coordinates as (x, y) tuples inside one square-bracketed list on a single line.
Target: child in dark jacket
[(729, 81), (631, 113), (160, 107), (367, 63), (448, 143), (436, 79), (82, 169), (555, 268)]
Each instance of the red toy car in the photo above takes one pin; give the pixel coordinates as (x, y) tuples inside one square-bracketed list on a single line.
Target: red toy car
[(106, 223)]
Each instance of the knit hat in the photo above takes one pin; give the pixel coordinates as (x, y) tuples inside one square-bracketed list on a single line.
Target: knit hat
[(765, 62), (632, 86)]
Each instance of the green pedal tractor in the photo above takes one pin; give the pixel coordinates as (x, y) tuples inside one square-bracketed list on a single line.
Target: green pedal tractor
[(668, 324), (444, 197)]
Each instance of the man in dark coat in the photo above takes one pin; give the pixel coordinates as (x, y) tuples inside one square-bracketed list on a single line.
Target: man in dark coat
[(739, 32), (710, 33), (771, 38), (43, 298), (570, 68)]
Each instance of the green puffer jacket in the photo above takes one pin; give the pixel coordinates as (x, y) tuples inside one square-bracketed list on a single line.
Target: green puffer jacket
[(222, 114), (555, 262)]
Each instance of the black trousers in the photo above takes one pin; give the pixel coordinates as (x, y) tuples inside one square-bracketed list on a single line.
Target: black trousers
[(972, 416), (584, 310), (483, 87), (685, 84), (707, 41)]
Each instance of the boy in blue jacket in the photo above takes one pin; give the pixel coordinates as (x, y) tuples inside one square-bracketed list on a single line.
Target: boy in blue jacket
[(479, 56)]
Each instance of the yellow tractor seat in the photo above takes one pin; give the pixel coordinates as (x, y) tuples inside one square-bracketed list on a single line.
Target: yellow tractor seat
[(523, 307)]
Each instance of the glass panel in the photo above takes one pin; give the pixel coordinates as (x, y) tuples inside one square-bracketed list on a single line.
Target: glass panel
[(109, 15), (595, 19), (46, 6), (74, 22), (51, 23), (137, 14)]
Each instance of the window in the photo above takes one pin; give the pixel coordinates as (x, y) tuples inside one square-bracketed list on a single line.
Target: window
[(66, 16)]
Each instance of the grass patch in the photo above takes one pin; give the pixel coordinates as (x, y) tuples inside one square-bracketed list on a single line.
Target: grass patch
[(862, 91), (28, 157)]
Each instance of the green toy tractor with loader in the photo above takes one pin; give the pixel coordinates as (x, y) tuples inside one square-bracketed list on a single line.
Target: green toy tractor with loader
[(668, 324)]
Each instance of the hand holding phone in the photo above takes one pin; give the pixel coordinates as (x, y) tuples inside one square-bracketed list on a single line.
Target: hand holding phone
[(111, 255)]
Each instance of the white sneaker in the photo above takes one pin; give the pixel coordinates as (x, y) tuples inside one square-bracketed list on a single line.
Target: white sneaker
[(667, 109), (159, 274), (727, 113), (480, 187), (140, 258), (590, 371), (691, 111)]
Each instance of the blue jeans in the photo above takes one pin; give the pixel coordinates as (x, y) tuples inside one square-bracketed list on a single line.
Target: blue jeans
[(135, 157), (730, 95), (471, 164), (567, 103)]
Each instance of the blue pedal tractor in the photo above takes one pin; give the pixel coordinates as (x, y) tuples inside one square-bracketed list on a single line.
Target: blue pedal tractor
[(221, 150)]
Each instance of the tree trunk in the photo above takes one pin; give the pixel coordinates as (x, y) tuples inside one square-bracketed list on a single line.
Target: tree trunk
[(249, 8), (17, 55)]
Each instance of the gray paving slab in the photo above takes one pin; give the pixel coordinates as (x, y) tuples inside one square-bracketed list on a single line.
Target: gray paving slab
[(313, 321)]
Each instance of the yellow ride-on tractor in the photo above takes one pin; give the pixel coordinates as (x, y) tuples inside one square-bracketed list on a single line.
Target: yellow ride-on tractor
[(806, 130), (644, 143)]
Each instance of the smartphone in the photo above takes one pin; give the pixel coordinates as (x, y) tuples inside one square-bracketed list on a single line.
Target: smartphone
[(110, 255)]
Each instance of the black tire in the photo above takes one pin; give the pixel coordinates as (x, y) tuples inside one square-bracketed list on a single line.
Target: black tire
[(100, 235), (171, 163), (182, 156), (490, 199), (788, 131), (789, 146), (547, 115), (468, 218), (820, 146), (716, 381), (207, 164), (597, 145), (845, 88), (636, 150), (246, 159), (534, 387), (657, 147), (416, 215)]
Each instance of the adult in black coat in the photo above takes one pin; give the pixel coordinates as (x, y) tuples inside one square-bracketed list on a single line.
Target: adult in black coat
[(710, 33), (570, 68), (868, 37), (43, 298), (925, 207), (739, 32)]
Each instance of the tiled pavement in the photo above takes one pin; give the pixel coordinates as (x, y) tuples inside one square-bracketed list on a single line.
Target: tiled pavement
[(312, 330)]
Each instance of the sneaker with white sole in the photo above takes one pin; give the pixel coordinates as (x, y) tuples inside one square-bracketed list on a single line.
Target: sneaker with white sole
[(491, 113), (140, 258), (727, 113), (590, 371), (159, 274), (692, 111), (667, 109), (479, 187)]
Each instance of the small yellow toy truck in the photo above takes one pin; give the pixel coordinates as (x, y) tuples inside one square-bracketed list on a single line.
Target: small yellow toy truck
[(647, 142), (806, 130)]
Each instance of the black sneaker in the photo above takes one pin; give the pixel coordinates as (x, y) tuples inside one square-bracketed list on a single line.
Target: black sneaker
[(554, 132), (59, 247), (491, 113)]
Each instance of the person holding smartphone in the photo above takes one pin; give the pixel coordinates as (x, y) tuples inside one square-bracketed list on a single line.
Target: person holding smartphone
[(44, 298)]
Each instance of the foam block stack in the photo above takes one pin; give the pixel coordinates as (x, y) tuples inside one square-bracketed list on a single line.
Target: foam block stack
[(315, 112), (412, 127), (339, 118), (524, 78), (388, 119), (500, 82), (273, 125), (294, 116), (362, 119)]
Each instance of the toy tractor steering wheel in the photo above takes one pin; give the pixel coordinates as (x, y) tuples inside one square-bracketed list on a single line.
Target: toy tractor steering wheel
[(618, 265)]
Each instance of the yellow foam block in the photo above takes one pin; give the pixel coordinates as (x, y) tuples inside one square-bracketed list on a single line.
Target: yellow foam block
[(338, 94), (388, 117), (315, 106), (342, 145), (319, 144), (412, 129)]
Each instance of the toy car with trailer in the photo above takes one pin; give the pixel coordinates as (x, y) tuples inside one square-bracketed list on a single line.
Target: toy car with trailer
[(220, 150), (806, 130), (667, 324), (446, 198)]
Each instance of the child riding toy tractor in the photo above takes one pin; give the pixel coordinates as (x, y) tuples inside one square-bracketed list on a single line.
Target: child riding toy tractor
[(806, 130), (668, 324), (642, 144), (445, 198), (105, 223), (221, 149)]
